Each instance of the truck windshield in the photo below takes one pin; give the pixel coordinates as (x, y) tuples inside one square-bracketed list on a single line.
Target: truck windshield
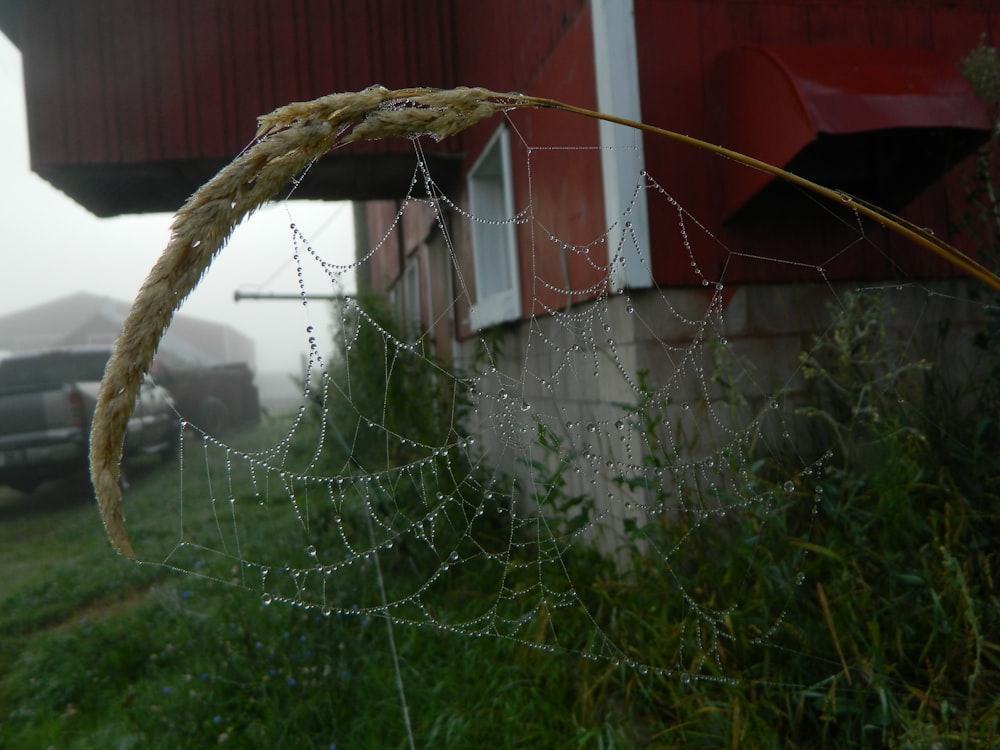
[(53, 368)]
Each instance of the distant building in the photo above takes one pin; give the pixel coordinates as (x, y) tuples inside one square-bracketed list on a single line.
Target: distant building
[(90, 319)]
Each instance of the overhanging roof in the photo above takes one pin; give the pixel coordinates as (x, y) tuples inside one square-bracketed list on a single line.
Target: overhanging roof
[(86, 318), (133, 105), (878, 123), (111, 189)]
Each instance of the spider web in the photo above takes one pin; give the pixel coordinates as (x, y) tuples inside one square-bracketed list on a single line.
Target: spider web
[(513, 484)]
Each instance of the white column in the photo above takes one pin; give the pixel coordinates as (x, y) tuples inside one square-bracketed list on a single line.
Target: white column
[(617, 67)]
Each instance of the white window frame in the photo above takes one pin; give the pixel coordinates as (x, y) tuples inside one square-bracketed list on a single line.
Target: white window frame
[(494, 235)]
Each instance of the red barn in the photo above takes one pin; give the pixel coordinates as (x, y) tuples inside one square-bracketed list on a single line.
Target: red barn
[(134, 103)]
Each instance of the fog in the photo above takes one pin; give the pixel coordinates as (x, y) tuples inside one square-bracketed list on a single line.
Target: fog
[(53, 247)]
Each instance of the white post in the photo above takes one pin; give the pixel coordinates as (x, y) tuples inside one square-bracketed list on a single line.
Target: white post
[(616, 64)]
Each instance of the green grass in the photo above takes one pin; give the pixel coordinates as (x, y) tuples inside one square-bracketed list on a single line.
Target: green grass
[(887, 639), (99, 652)]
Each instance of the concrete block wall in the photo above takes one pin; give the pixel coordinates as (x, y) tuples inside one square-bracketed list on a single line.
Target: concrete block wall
[(722, 370)]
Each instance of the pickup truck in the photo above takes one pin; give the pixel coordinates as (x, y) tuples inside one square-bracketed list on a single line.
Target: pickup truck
[(47, 401), (215, 398)]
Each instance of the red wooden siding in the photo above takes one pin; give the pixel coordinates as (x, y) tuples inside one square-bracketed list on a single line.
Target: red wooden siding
[(564, 187), (545, 49), (386, 262), (140, 97), (502, 45)]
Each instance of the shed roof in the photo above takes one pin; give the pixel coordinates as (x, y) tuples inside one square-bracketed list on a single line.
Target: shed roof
[(85, 318)]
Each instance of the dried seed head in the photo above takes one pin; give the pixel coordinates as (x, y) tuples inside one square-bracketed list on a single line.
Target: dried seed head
[(409, 121)]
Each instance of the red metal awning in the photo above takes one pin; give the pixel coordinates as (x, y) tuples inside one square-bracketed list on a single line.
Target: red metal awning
[(882, 124)]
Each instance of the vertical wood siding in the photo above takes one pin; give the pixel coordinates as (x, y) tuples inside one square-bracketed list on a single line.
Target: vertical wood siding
[(132, 81), (546, 49)]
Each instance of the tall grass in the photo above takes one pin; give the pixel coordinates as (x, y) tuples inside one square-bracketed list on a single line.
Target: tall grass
[(885, 638)]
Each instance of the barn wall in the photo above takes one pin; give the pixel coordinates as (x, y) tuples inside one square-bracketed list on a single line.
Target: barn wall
[(545, 49), (383, 263)]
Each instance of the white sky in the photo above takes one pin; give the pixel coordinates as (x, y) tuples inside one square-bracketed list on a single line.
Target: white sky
[(50, 247)]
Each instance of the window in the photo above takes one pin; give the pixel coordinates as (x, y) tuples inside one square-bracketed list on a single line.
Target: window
[(494, 240), (411, 296)]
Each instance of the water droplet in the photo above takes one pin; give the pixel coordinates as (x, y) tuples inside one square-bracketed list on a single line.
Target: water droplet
[(789, 486), (266, 599), (800, 579)]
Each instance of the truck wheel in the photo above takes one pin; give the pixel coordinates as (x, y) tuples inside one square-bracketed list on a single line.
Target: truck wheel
[(213, 416), (172, 449)]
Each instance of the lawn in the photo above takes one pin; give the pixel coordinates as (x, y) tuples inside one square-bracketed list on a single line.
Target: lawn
[(882, 636), (96, 651)]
